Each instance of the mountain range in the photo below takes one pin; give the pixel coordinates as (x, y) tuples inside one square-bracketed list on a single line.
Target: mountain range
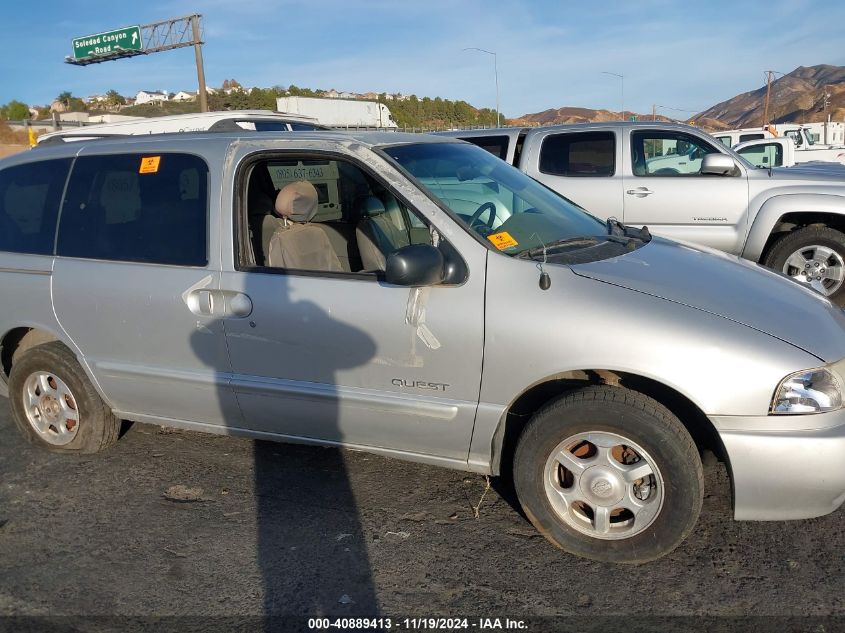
[(795, 97)]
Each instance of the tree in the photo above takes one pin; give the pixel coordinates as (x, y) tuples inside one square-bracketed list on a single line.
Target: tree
[(15, 111), (114, 98), (64, 98)]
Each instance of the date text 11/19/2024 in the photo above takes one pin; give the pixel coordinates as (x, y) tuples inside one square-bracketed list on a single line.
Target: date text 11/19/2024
[(417, 624)]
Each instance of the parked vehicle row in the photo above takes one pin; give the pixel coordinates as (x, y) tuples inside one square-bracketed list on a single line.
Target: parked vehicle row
[(790, 145), (417, 297), (684, 185)]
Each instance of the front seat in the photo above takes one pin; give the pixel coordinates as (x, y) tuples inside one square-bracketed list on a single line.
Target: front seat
[(296, 244), (380, 232)]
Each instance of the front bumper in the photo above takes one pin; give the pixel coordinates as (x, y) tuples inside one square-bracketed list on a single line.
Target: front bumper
[(780, 472)]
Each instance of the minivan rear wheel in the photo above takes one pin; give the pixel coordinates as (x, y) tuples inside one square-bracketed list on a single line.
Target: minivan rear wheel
[(55, 406), (609, 474)]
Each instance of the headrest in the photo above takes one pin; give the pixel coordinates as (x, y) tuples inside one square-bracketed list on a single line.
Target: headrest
[(297, 201), (372, 207)]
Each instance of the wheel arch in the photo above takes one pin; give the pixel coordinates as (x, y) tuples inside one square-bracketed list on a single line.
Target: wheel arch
[(522, 408), (26, 336), (784, 213)]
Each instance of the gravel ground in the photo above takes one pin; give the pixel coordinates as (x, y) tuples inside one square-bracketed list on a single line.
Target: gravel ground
[(173, 523)]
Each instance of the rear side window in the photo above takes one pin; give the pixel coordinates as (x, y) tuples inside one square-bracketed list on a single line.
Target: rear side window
[(496, 145), (137, 208), (579, 154), (749, 137), (29, 204)]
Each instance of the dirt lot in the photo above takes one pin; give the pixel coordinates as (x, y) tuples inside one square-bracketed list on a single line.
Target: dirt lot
[(172, 523), (7, 150)]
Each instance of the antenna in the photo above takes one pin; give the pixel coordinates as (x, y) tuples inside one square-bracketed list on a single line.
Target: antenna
[(545, 280)]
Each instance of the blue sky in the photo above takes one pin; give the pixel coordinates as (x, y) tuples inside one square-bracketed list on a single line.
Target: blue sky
[(550, 53)]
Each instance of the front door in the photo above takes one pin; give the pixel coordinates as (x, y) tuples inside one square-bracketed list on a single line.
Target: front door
[(339, 355), (666, 191)]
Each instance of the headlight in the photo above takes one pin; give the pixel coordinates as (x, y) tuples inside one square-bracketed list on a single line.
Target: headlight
[(808, 391)]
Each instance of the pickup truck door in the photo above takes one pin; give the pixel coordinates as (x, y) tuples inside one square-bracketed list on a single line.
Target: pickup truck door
[(583, 165), (664, 190)]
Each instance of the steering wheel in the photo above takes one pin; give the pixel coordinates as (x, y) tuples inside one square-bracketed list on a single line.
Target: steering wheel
[(487, 206)]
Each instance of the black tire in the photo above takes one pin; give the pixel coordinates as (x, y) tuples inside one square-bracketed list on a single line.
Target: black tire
[(641, 420), (803, 238), (98, 428)]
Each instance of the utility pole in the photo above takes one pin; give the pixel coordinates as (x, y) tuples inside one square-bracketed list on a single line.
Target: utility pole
[(654, 112), (201, 94), (769, 74)]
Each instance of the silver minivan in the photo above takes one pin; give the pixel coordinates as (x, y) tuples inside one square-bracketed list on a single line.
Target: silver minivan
[(416, 297)]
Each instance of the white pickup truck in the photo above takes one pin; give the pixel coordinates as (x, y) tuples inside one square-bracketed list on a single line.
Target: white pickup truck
[(773, 149), (687, 186)]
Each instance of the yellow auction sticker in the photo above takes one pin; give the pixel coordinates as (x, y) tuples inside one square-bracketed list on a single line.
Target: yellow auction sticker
[(149, 164), (502, 240)]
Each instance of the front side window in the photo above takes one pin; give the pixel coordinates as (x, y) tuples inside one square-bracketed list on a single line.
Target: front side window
[(763, 155), (579, 154), (499, 203), (796, 137), (29, 204), (324, 215), (659, 153), (750, 137), (150, 208)]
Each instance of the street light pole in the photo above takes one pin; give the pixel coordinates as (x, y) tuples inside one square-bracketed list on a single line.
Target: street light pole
[(622, 81), (496, 73)]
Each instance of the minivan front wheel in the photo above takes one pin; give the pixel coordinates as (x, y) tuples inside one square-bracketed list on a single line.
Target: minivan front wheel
[(54, 404), (609, 474)]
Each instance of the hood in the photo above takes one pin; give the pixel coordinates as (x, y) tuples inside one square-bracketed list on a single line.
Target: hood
[(730, 287), (817, 171)]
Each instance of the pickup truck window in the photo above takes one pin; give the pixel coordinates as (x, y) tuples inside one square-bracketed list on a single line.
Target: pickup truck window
[(493, 199), (667, 153), (724, 140), (150, 208), (767, 155), (29, 203), (750, 137), (579, 154), (496, 145)]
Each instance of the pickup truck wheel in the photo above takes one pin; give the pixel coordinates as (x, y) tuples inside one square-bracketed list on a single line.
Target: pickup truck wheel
[(609, 474), (814, 255), (55, 406)]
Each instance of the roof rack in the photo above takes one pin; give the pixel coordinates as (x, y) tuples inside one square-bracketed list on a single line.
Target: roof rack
[(64, 138)]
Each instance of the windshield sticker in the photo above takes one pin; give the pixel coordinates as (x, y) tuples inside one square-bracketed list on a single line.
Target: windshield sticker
[(502, 240), (149, 164)]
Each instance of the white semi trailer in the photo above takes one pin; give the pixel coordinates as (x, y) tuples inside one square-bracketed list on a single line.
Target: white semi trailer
[(339, 112)]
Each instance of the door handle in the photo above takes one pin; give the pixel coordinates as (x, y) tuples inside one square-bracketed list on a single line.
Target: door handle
[(219, 303), (640, 192)]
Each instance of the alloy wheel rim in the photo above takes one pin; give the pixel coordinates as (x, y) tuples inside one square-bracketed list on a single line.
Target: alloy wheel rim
[(603, 485), (820, 267), (51, 408)]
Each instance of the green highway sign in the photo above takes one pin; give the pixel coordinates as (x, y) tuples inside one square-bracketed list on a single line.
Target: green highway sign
[(110, 42)]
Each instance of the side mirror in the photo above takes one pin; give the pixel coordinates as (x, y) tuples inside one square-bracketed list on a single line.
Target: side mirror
[(718, 165), (415, 265)]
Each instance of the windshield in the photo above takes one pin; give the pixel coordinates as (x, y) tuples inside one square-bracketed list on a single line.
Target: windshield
[(498, 202)]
